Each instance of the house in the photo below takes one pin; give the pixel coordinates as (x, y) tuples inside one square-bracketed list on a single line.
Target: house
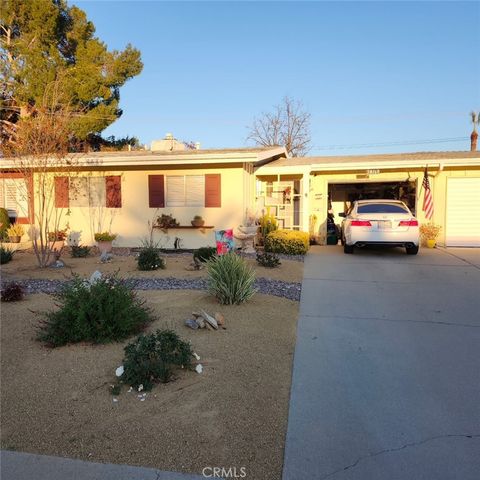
[(122, 191)]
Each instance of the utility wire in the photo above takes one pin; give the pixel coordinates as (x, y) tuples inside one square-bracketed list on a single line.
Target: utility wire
[(388, 144)]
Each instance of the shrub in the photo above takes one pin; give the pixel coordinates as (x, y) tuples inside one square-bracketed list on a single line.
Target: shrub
[(430, 231), (105, 237), (12, 292), (230, 279), (204, 254), (5, 255), (149, 258), (80, 251), (268, 223), (57, 235), (167, 221), (290, 242), (104, 311), (269, 260), (15, 230), (152, 358), (4, 223)]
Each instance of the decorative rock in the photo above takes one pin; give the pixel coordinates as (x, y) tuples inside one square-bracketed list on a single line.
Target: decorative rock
[(199, 368), (140, 387), (200, 322), (95, 277), (209, 319), (191, 324), (57, 264), (197, 357), (220, 319), (119, 371), (106, 257)]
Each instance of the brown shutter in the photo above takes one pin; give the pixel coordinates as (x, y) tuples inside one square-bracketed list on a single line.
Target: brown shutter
[(156, 191), (213, 190), (113, 185), (61, 192)]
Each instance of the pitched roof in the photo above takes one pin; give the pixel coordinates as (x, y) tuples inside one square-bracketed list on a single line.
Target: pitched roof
[(385, 160)]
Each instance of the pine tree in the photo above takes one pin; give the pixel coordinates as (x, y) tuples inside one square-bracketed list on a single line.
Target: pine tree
[(46, 42)]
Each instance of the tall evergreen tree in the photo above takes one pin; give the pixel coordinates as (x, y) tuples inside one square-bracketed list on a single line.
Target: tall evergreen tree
[(46, 42)]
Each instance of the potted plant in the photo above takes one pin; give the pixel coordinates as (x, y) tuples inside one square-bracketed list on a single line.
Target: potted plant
[(167, 221), (429, 233), (104, 241), (198, 221), (56, 240), (15, 233)]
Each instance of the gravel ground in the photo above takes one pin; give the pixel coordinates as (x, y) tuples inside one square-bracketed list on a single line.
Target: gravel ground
[(56, 401), (278, 288)]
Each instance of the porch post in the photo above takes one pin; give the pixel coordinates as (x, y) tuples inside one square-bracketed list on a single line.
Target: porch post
[(305, 199)]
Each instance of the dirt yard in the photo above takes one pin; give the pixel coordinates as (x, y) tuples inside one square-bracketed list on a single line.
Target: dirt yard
[(24, 266), (234, 414)]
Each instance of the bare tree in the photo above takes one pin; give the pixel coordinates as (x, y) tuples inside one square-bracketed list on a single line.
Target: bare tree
[(287, 125), (41, 153)]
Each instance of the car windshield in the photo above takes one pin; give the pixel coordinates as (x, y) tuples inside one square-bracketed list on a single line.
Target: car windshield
[(381, 208)]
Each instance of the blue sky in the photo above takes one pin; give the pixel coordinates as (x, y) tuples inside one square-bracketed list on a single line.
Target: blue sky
[(368, 72)]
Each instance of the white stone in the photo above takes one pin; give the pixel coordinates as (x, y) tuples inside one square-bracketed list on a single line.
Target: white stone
[(95, 277), (199, 368), (119, 371), (197, 357)]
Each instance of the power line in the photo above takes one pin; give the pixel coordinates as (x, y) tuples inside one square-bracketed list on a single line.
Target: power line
[(391, 144)]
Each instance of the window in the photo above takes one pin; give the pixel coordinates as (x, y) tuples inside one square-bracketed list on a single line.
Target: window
[(14, 196), (185, 191), (381, 208), (87, 192)]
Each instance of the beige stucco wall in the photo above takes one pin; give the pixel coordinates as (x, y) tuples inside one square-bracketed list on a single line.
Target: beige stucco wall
[(131, 221)]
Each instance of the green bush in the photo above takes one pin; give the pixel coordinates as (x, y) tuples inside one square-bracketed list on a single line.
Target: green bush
[(289, 242), (80, 251), (152, 358), (4, 223), (204, 254), (149, 258), (105, 311), (268, 260), (230, 279), (5, 255)]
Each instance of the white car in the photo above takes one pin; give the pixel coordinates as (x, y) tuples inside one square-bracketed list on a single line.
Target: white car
[(380, 222)]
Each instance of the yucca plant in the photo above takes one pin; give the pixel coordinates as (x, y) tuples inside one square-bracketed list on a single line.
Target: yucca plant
[(230, 279)]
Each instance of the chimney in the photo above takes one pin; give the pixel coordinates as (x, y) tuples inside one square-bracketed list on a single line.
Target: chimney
[(474, 136), (473, 141)]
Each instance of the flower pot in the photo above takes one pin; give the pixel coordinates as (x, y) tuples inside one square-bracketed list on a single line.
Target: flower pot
[(198, 223), (104, 246), (56, 246), (15, 239), (431, 243)]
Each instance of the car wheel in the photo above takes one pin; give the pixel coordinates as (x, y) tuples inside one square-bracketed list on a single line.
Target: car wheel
[(412, 250), (347, 248)]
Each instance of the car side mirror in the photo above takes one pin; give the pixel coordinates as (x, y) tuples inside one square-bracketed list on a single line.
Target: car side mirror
[(342, 214)]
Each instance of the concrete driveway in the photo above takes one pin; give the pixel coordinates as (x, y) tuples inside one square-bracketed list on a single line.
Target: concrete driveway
[(386, 379)]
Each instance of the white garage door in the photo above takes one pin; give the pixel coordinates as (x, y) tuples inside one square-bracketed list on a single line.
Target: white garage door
[(463, 212)]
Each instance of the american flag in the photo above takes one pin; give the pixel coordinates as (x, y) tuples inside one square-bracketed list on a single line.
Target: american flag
[(427, 197)]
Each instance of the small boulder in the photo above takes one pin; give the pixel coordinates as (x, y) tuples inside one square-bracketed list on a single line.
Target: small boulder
[(191, 324)]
